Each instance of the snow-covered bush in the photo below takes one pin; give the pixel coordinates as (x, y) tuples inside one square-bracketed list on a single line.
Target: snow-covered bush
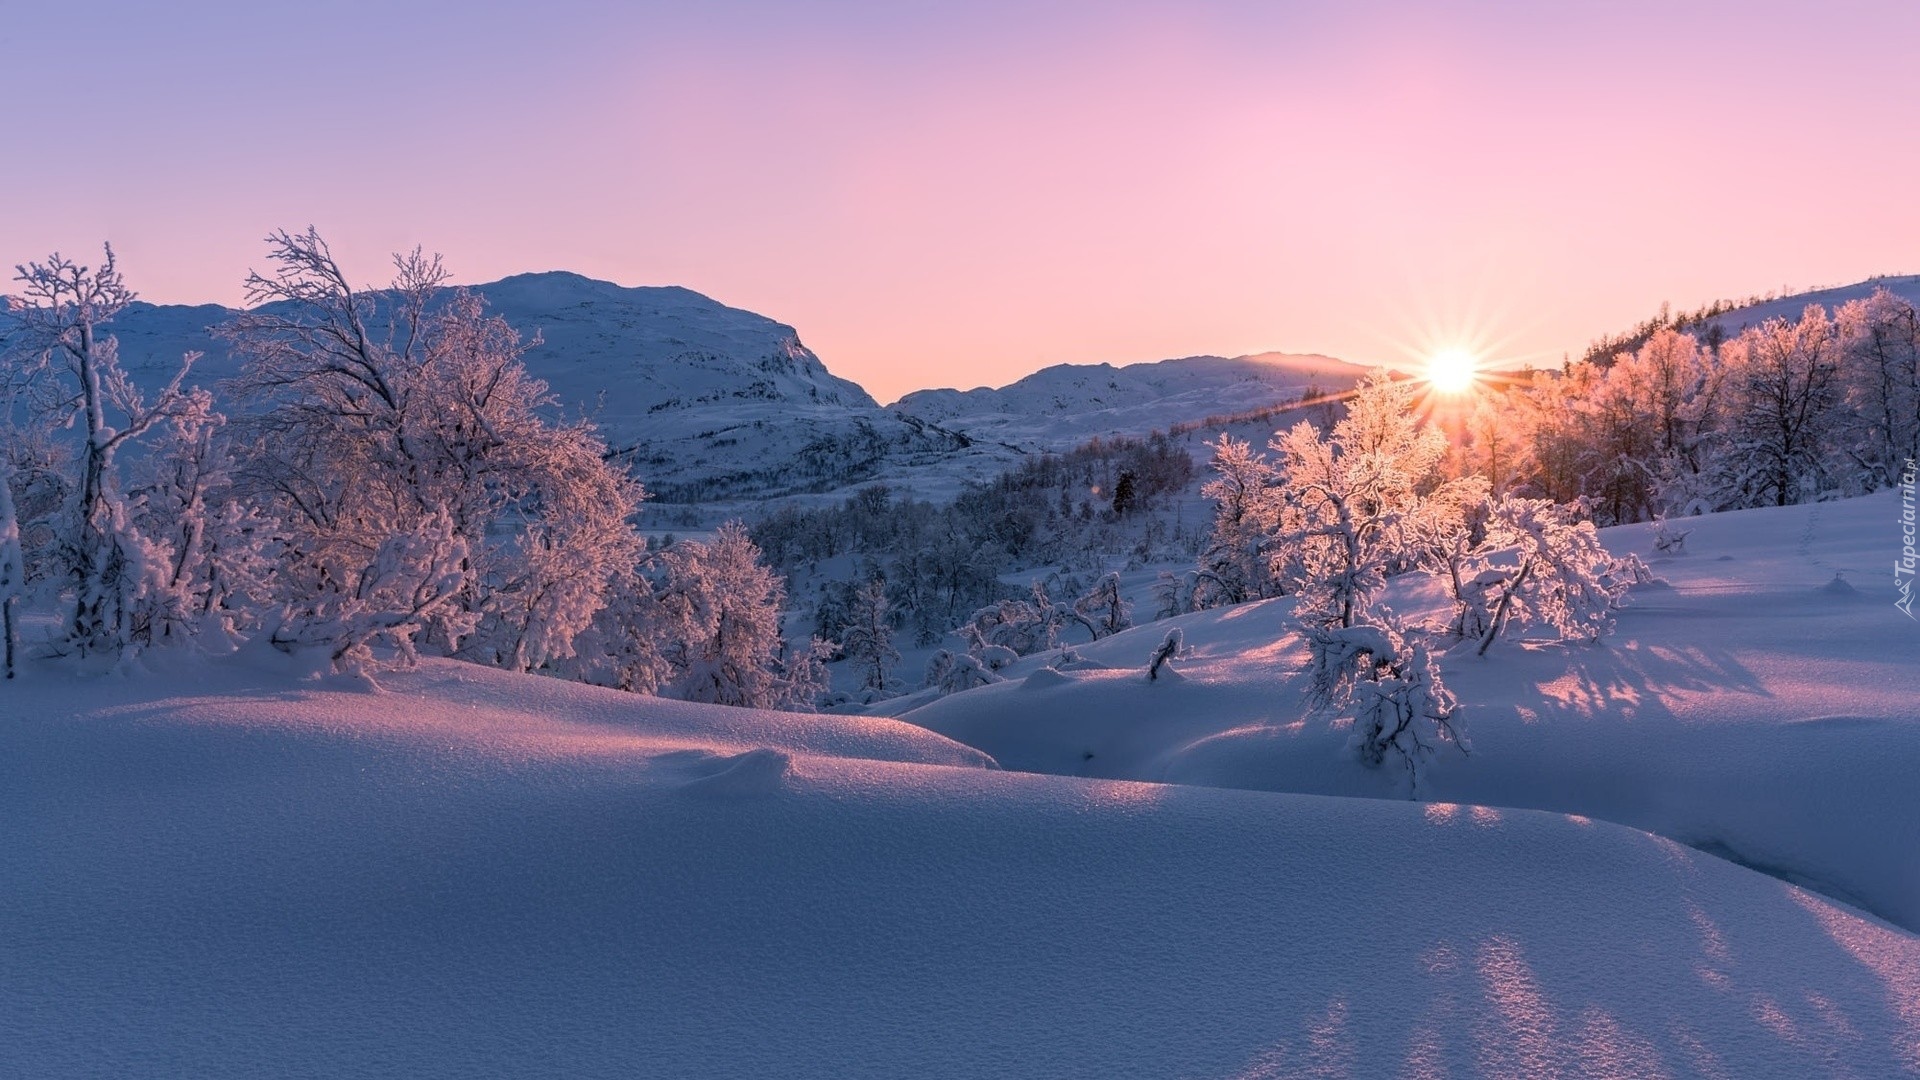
[(950, 672), (1017, 626), (1543, 566), (715, 618), (1168, 650), (1389, 687), (1103, 610), (1669, 539)]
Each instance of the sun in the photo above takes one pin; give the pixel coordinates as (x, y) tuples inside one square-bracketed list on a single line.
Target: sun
[(1452, 370)]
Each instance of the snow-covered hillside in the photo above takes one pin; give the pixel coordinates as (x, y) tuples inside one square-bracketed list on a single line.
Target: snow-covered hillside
[(224, 870), (1791, 307), (1759, 707), (714, 405), (1062, 406), (706, 401)]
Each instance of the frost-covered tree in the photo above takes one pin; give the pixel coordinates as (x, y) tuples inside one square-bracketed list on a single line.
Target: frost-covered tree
[(1350, 500), (1234, 567), (222, 550), (1172, 595), (1542, 566), (1879, 342), (1785, 390), (715, 617), (410, 589), (1496, 446), (380, 413), (867, 638), (69, 371), (1103, 610), (13, 570)]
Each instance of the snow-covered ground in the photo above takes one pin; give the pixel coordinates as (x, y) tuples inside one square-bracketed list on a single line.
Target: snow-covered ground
[(1790, 307), (219, 867), (1755, 707)]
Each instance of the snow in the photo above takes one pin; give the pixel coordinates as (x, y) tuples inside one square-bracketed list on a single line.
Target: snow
[(1063, 406), (219, 868), (1791, 307), (705, 401), (1747, 709)]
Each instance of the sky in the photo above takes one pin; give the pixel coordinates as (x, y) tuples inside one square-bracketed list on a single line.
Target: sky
[(960, 194)]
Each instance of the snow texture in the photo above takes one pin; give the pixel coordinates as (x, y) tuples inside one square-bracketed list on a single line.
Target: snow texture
[(1748, 709), (225, 870)]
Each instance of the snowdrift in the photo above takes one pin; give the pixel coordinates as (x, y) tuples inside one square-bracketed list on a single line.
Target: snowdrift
[(1758, 705), (223, 870)]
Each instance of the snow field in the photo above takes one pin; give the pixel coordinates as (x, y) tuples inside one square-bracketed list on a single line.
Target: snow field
[(228, 871)]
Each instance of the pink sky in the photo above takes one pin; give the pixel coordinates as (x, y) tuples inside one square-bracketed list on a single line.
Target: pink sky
[(943, 198)]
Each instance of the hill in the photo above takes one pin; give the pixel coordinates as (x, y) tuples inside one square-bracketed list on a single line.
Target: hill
[(1751, 705), (221, 869), (1062, 406), (1791, 307), (704, 400)]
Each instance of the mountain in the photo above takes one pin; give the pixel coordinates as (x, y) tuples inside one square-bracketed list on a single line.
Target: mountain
[(710, 404), (1061, 406), (705, 401)]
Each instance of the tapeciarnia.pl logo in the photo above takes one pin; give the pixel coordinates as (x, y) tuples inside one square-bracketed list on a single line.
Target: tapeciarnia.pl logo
[(1903, 566)]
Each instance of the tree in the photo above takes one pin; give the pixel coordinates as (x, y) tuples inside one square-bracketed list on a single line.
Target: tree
[(867, 638), (1103, 610), (1786, 378), (1879, 341), (72, 375), (385, 414), (222, 551), (1124, 496), (1234, 566), (13, 569), (715, 617), (1552, 569), (1348, 501)]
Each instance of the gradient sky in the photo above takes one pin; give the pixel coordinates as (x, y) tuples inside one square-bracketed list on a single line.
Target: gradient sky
[(948, 194)]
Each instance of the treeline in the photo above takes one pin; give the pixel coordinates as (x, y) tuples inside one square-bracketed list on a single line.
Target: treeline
[(940, 563), (1789, 411), (381, 481)]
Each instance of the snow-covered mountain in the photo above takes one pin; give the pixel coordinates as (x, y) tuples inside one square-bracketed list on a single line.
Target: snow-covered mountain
[(714, 404), (704, 400), (1061, 406)]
